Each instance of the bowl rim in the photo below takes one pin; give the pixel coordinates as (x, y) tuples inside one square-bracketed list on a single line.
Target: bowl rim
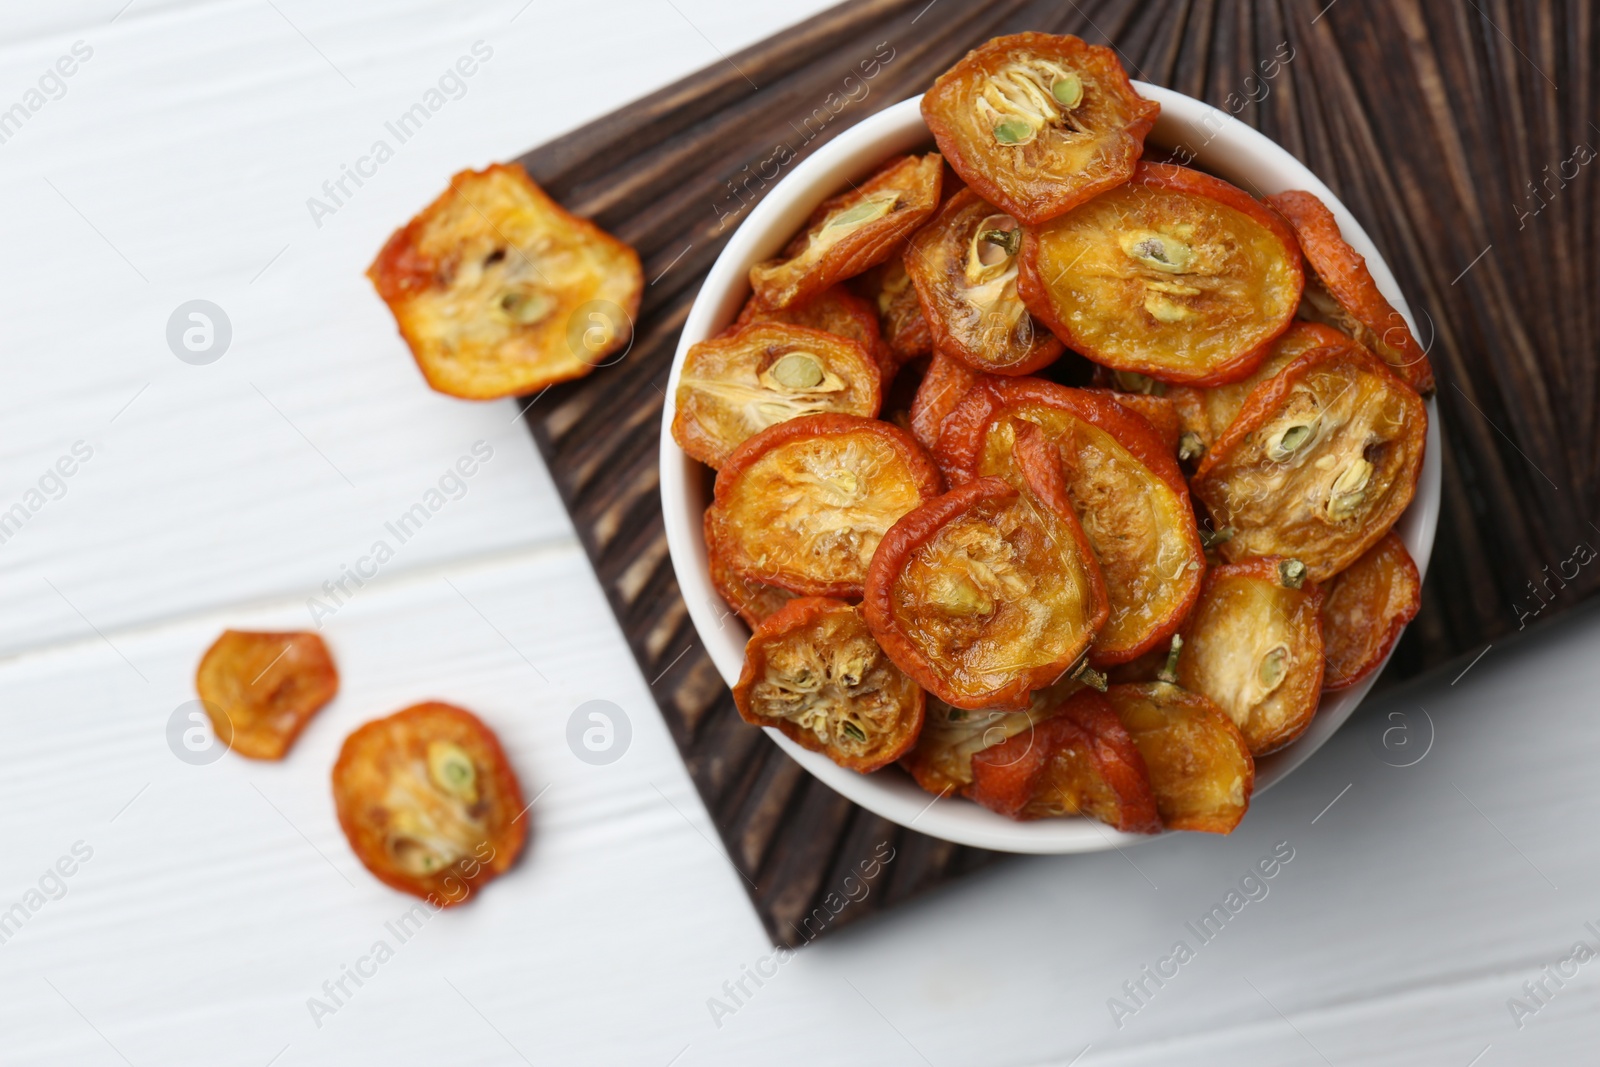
[(1227, 148)]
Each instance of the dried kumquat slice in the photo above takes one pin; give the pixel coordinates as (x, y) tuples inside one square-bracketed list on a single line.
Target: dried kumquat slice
[(941, 760), (1318, 464), (944, 385), (1254, 646), (1082, 762), (888, 288), (1039, 123), (852, 231), (814, 671), (964, 265), (429, 803), (1125, 486), (1340, 290), (740, 382), (835, 310), (752, 601), (988, 592), (499, 291), (804, 504), (1367, 606), (260, 689), (1176, 275)]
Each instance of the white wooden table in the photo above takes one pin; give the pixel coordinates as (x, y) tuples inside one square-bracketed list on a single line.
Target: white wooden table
[(208, 904)]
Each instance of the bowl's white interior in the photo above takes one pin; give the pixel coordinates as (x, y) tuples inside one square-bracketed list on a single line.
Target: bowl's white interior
[(1219, 144)]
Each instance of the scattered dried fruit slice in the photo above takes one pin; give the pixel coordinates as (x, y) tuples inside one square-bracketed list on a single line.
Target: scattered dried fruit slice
[(804, 504), (1366, 607), (1200, 765), (1039, 123), (1340, 290), (1176, 275), (964, 265), (1319, 462), (852, 231), (988, 592), (752, 601), (260, 689), (888, 287), (499, 291), (835, 310), (814, 671), (1254, 646), (740, 382), (1082, 762), (941, 761), (429, 803), (1125, 486)]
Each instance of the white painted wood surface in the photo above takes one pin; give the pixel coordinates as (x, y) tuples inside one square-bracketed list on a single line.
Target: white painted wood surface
[(217, 899)]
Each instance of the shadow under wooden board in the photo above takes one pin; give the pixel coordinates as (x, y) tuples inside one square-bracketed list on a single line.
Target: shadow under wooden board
[(1460, 134)]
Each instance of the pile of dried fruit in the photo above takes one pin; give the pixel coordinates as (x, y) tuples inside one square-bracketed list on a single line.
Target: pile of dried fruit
[(1051, 472)]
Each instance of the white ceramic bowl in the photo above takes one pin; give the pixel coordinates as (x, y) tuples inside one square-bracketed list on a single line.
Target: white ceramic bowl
[(1222, 145)]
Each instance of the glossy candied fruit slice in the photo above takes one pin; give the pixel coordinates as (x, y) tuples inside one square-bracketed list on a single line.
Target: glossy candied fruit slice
[(499, 291), (1319, 462), (1201, 770), (988, 592), (946, 382), (1039, 123), (835, 310), (429, 802), (814, 671), (852, 232), (804, 504), (887, 287), (1082, 762), (1340, 290), (742, 381), (964, 266), (260, 689), (1176, 275), (1126, 489), (1254, 646), (1366, 607), (752, 601)]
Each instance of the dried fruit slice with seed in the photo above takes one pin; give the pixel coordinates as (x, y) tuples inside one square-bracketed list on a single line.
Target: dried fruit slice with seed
[(1367, 606), (1127, 491), (852, 231), (1340, 290), (1082, 762), (499, 291), (742, 381), (988, 592), (888, 287), (1200, 766), (260, 689), (1319, 462), (1254, 646), (814, 671), (752, 601), (1039, 123), (835, 310), (964, 265), (1176, 275), (941, 761), (429, 802), (804, 504)]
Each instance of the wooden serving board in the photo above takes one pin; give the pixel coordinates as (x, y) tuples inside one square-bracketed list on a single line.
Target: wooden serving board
[(1429, 120)]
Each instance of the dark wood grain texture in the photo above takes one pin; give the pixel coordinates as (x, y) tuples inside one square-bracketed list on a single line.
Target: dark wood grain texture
[(1462, 133)]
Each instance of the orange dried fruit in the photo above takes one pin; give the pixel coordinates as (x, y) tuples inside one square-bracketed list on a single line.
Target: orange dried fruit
[(1039, 123), (429, 802), (740, 382), (804, 504), (1081, 762), (499, 291), (835, 310), (752, 601), (1340, 290), (1254, 646), (941, 760), (260, 689), (1176, 275), (852, 231), (964, 265), (1165, 420), (947, 381), (1319, 462), (988, 592), (888, 287), (1366, 607), (814, 671), (1126, 488)]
